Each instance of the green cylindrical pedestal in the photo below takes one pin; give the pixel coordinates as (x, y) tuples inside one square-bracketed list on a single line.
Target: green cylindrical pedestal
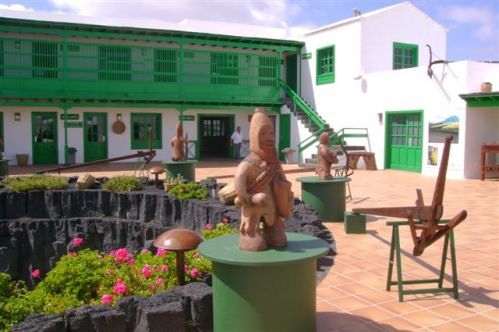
[(186, 168), (327, 197), (272, 290), (4, 167)]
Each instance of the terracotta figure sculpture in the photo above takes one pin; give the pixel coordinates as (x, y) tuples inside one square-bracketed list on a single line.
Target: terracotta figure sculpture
[(178, 144), (262, 189), (325, 158)]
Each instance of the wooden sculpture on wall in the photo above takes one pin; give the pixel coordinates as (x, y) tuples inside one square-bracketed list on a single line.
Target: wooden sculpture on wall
[(262, 190), (429, 216), (325, 158), (179, 144)]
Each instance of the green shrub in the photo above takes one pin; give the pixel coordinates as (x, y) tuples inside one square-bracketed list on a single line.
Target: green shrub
[(35, 182), (219, 230), (188, 190), (123, 183)]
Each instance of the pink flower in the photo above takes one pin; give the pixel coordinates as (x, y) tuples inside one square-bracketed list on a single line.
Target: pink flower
[(130, 261), (146, 273), (161, 252), (107, 299), (120, 287), (121, 255), (195, 273), (112, 253), (109, 272), (152, 287), (225, 220), (159, 282), (36, 273), (208, 226), (186, 267), (164, 268), (144, 251), (72, 254), (77, 241)]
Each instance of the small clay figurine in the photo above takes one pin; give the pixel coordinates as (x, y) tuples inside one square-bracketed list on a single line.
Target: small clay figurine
[(325, 158), (178, 144), (262, 190)]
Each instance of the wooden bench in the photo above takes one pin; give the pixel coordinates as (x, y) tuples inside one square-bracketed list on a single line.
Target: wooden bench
[(369, 159)]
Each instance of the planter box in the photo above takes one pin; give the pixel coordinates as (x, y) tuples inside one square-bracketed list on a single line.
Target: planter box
[(354, 223)]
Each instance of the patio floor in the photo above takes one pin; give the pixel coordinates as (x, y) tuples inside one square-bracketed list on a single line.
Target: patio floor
[(352, 297)]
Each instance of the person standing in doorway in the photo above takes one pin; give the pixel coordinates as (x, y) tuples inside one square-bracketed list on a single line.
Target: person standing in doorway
[(236, 140)]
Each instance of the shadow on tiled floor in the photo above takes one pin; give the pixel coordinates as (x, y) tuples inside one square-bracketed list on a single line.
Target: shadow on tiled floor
[(352, 297)]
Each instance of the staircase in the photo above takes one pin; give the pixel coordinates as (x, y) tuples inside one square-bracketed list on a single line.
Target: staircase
[(316, 125)]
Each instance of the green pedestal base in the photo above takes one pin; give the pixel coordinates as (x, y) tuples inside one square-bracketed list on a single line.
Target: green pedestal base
[(185, 168), (272, 290), (327, 197), (4, 167), (354, 223)]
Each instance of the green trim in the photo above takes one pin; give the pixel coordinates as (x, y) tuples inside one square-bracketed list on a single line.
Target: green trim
[(138, 133), (404, 56), (179, 37), (325, 65), (1, 133), (484, 99)]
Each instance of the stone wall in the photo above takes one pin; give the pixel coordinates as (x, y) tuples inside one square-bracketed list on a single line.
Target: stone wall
[(184, 308), (36, 228)]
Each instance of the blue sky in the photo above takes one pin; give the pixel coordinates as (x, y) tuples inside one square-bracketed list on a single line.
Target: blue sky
[(473, 25)]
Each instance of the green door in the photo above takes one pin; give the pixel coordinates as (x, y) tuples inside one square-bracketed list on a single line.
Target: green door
[(404, 140), (284, 133), (291, 76), (94, 136), (44, 137)]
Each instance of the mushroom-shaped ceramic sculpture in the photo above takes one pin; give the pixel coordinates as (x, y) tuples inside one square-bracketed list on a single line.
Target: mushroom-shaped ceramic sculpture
[(178, 240), (156, 171)]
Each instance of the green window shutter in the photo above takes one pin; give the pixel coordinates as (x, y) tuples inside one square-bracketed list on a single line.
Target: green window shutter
[(44, 59), (114, 63), (405, 56), (224, 68), (325, 65), (140, 125), (267, 71), (165, 65)]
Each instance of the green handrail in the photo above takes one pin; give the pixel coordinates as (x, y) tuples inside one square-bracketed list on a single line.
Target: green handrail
[(302, 104)]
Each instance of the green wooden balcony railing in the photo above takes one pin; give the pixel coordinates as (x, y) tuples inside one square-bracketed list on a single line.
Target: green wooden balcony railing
[(32, 68)]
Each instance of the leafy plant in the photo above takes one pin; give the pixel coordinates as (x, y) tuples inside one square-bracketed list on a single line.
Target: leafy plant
[(35, 182), (170, 182), (88, 277), (188, 190), (123, 183), (222, 228)]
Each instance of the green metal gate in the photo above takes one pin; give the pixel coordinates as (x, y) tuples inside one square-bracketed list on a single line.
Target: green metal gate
[(404, 140), (95, 136), (44, 137)]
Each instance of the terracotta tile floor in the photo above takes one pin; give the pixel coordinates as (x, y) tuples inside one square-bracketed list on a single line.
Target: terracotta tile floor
[(352, 297)]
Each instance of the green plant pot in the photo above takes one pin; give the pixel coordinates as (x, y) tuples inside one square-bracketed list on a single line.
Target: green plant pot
[(4, 167), (186, 168)]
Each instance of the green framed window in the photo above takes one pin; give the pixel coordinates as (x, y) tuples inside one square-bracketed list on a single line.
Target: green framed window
[(115, 63), (325, 65), (405, 56), (165, 65), (224, 68), (1, 132), (44, 59), (141, 122)]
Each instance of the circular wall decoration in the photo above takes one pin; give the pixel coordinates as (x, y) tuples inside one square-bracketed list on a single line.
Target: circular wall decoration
[(118, 127)]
